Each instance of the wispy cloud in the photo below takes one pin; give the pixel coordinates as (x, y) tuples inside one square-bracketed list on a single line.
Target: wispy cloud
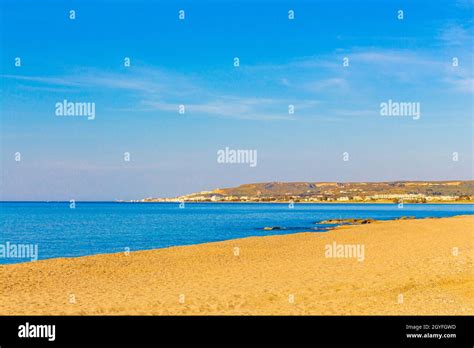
[(469, 4), (369, 69), (93, 78), (156, 89), (336, 83), (456, 35), (463, 85), (237, 107), (304, 82)]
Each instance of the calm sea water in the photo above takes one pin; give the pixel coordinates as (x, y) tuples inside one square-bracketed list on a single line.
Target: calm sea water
[(93, 228)]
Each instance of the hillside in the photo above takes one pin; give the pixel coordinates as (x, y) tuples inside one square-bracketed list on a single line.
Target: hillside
[(408, 191)]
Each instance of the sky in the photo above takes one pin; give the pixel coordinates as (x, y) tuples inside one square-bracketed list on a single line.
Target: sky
[(336, 133)]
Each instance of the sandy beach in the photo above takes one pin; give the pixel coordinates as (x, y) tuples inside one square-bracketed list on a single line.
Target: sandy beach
[(413, 267)]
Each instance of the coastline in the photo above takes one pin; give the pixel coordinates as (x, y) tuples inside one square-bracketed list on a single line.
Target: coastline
[(253, 202), (412, 258), (288, 202)]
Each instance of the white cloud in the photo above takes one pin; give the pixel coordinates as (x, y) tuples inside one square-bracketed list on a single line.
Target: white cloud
[(335, 83), (456, 35), (464, 85), (235, 107), (299, 81)]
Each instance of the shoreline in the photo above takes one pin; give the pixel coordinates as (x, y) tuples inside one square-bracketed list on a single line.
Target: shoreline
[(409, 257), (276, 202), (288, 202), (329, 228)]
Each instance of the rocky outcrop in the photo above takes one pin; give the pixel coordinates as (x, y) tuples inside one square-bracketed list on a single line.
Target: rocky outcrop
[(347, 221)]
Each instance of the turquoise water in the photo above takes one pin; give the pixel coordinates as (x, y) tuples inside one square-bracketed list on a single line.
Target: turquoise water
[(95, 228)]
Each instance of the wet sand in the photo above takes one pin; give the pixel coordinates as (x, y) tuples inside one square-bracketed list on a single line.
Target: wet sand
[(418, 267)]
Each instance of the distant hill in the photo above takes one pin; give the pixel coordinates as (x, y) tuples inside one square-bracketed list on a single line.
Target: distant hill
[(302, 189), (409, 191)]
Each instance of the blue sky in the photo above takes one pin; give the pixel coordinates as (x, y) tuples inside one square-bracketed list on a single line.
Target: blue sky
[(190, 62)]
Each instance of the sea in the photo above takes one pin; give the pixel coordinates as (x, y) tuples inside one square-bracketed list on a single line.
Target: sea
[(89, 228)]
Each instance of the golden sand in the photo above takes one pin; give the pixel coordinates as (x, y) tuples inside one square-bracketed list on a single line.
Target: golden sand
[(409, 267)]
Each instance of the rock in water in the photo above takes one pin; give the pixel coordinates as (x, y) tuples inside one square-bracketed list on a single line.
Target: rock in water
[(347, 221)]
